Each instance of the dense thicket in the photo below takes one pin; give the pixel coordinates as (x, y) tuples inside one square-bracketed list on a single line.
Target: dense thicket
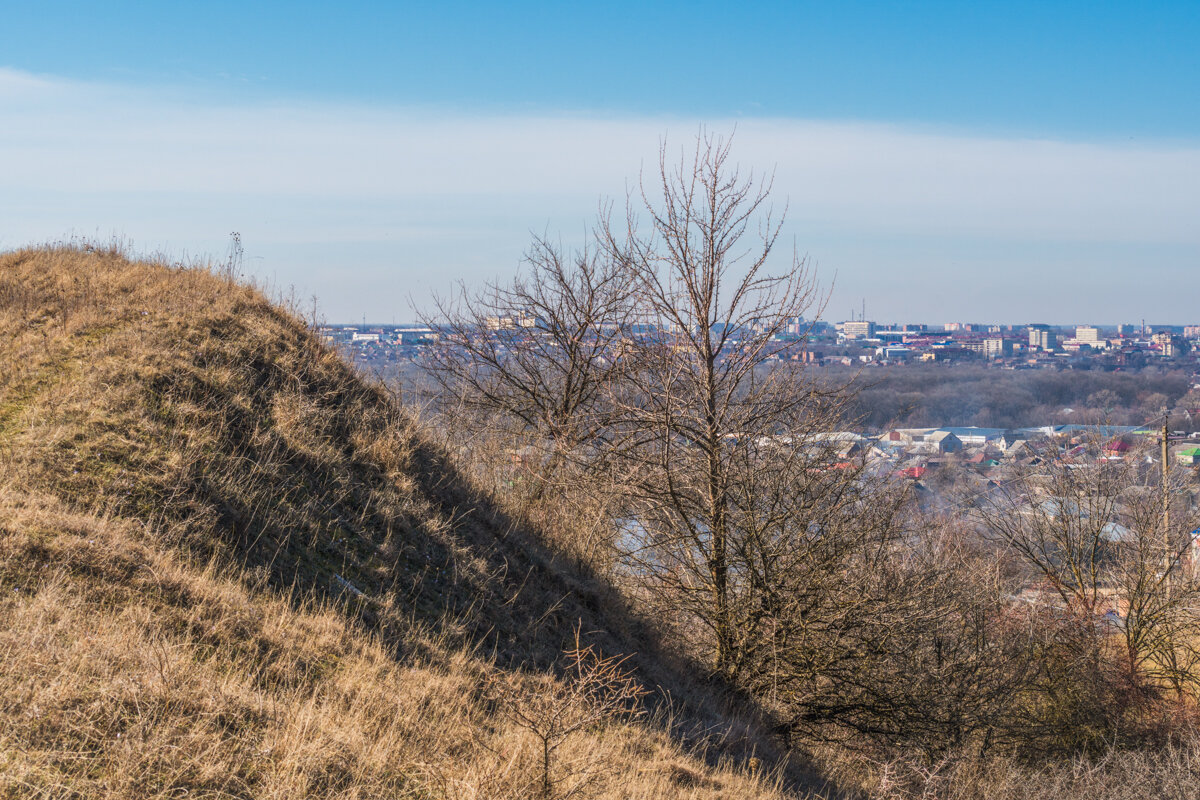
[(932, 396), (791, 560)]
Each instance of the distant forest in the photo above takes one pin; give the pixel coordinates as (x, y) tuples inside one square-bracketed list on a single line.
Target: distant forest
[(928, 396), (931, 396)]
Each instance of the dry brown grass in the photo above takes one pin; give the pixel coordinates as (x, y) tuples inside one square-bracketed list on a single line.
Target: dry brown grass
[(1117, 774), (231, 568), (126, 672)]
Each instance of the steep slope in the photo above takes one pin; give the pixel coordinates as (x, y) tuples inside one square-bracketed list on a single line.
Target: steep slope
[(231, 568)]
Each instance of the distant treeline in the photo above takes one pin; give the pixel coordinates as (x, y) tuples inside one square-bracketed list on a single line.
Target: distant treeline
[(932, 396), (919, 396)]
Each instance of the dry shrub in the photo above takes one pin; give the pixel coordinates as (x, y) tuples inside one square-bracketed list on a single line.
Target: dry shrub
[(595, 691)]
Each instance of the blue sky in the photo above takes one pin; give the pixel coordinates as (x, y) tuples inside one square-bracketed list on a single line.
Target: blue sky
[(1032, 160)]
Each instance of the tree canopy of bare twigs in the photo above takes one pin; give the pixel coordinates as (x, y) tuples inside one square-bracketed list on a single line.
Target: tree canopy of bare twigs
[(716, 426), (657, 372), (912, 648), (597, 690), (663, 359), (1091, 529), (533, 358)]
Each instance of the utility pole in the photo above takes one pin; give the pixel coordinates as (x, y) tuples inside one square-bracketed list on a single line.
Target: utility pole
[(1165, 441), (1166, 494)]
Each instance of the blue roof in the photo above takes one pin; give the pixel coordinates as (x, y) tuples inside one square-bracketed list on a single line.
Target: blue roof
[(990, 433), (1099, 430)]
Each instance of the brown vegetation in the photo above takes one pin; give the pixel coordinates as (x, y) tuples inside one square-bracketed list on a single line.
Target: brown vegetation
[(916, 396), (769, 551), (231, 568)]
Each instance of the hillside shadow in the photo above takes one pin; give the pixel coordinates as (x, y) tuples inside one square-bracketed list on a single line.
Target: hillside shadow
[(459, 561), (546, 596), (184, 425)]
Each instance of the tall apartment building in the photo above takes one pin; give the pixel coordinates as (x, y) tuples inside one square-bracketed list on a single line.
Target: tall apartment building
[(795, 326), (1166, 343), (1088, 334), (859, 329), (997, 347), (1042, 337)]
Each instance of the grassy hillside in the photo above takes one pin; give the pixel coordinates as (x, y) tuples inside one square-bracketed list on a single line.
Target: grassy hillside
[(231, 568)]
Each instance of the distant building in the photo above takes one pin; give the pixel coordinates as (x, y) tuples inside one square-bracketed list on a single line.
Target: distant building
[(1191, 331), (1168, 344), (1188, 457), (859, 329), (973, 435), (795, 326), (507, 323), (908, 435), (1117, 450), (1088, 334), (893, 352), (945, 441), (417, 335), (997, 347), (1041, 337)]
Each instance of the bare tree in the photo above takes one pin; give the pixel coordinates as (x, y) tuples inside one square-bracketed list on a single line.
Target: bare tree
[(1090, 530), (909, 645), (530, 360), (720, 438), (595, 690), (759, 529)]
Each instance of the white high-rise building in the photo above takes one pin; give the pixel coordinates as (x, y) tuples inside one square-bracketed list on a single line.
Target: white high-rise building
[(1041, 337), (859, 329)]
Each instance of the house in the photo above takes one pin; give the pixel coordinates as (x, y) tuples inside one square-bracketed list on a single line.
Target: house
[(983, 460), (1117, 450), (1011, 439), (1018, 449), (844, 451), (1188, 457), (909, 435), (945, 441), (976, 436), (884, 451)]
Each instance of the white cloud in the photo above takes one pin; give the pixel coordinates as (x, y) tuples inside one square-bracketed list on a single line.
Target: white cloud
[(15, 84), (457, 193)]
